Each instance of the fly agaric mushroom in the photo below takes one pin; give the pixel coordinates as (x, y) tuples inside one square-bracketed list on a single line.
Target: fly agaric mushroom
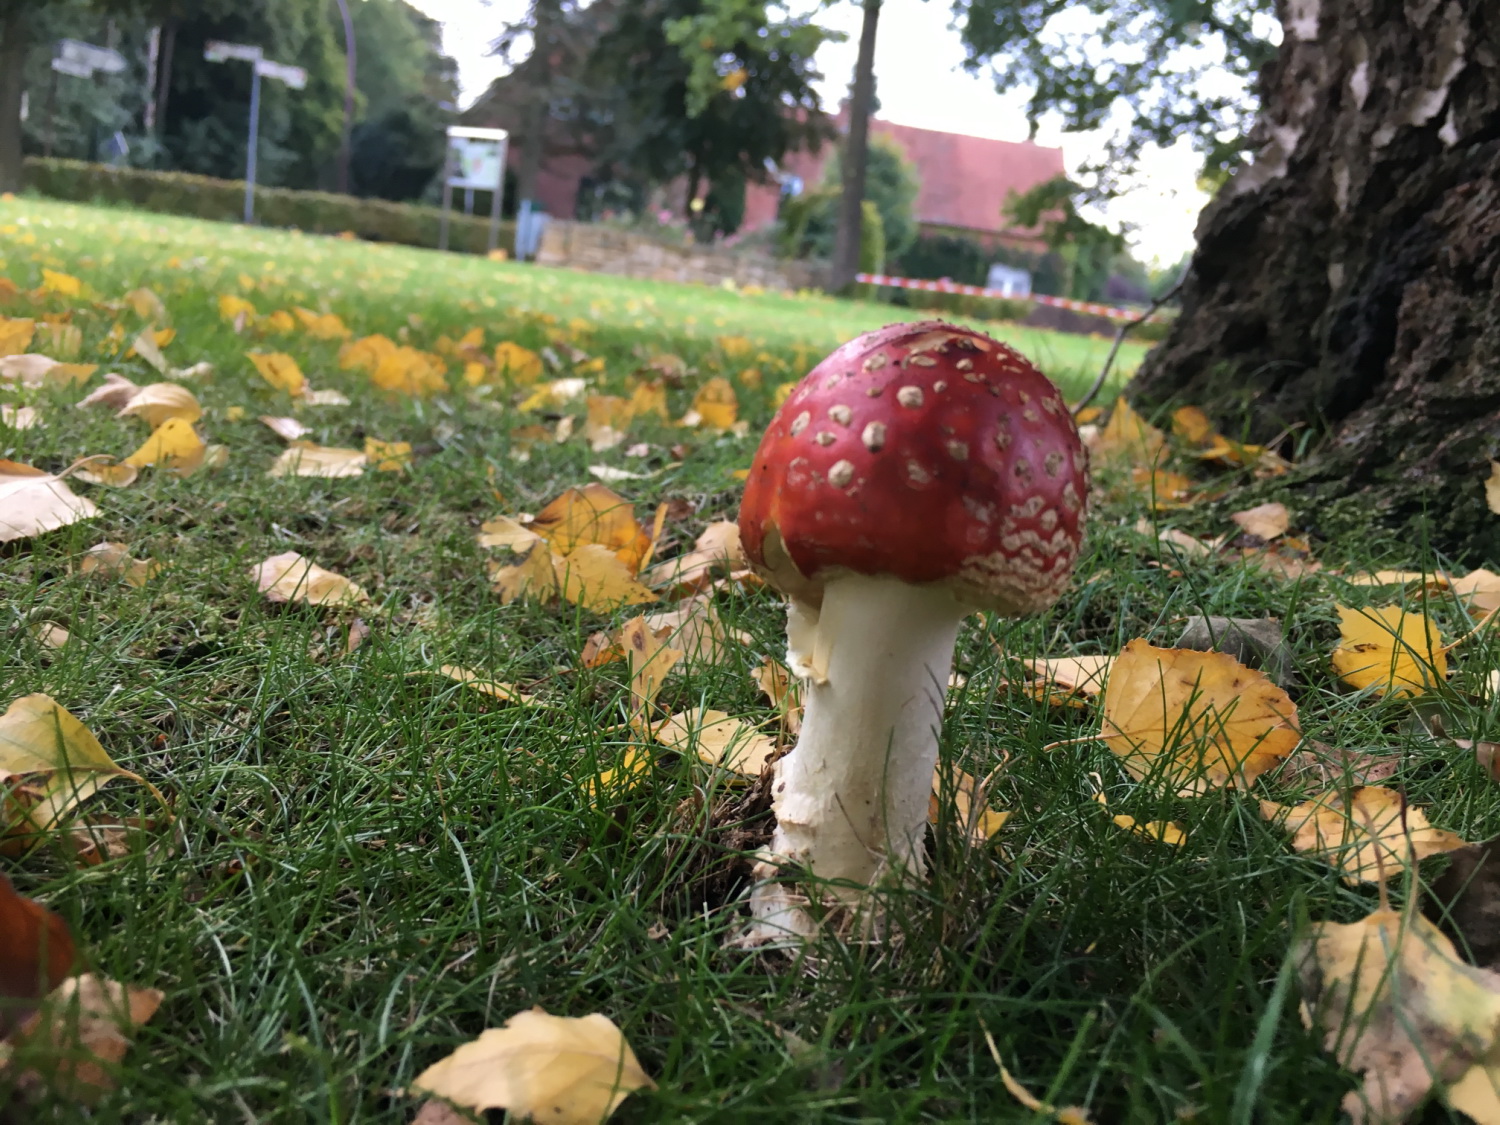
[(916, 475)]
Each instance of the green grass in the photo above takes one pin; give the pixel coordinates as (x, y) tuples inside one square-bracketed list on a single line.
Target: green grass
[(369, 866)]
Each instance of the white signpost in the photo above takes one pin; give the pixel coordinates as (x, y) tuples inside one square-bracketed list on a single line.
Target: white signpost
[(77, 59), (260, 67), (476, 161)]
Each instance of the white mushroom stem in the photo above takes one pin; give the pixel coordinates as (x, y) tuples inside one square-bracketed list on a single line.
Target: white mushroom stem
[(851, 797)]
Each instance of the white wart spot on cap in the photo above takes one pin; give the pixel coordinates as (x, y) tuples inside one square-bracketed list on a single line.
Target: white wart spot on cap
[(800, 422), (825, 438), (875, 362), (1002, 435), (1022, 469), (1052, 463), (965, 364), (958, 450), (921, 360), (910, 397), (841, 414), (841, 473), (873, 436), (1070, 497), (917, 474)]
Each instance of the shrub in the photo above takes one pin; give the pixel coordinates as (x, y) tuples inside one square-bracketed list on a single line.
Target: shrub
[(203, 197)]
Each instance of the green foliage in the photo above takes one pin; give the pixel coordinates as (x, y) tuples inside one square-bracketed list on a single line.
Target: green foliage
[(403, 79), (871, 239), (808, 221), (946, 255), (962, 304), (1087, 249), (209, 103), (203, 197), (644, 71), (1149, 60), (723, 207)]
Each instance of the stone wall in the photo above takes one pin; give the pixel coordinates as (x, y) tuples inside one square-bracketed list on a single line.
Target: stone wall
[(604, 249)]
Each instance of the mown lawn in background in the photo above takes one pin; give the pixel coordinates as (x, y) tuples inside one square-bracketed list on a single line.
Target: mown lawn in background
[(371, 864)]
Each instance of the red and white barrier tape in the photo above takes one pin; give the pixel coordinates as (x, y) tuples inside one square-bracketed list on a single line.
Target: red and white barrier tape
[(980, 291)]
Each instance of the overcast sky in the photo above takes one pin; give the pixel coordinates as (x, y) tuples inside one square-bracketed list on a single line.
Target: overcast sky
[(918, 67)]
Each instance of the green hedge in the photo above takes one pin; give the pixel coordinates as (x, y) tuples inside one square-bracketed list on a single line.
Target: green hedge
[(203, 197)]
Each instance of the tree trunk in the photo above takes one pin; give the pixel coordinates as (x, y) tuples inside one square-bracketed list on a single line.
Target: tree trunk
[(856, 146), (13, 44), (1345, 282), (164, 72), (544, 16)]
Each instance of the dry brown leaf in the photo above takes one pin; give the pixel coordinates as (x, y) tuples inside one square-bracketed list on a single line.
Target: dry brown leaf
[(286, 428), (1434, 582), (157, 402), (1368, 836), (1266, 521), (1181, 540), (304, 459), (36, 953), (717, 551), (33, 371), (79, 1036), (114, 393), (114, 560), (1202, 719), (60, 760), (1390, 650), (716, 738), (1394, 1002), (561, 1070), (49, 634), (288, 577), (33, 502)]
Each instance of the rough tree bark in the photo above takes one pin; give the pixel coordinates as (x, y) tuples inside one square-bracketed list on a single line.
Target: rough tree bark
[(1347, 280), (544, 17), (13, 44), (856, 147)]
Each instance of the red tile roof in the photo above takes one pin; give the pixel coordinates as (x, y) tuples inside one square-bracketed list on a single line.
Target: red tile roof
[(965, 180)]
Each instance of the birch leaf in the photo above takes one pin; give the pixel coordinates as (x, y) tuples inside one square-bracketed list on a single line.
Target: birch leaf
[(289, 577), (1390, 650), (553, 1069), (1369, 836), (1202, 719), (33, 502), (159, 401)]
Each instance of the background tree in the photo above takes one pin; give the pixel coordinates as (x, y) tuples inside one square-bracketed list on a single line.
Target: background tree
[(300, 129), (1087, 249), (1157, 69), (407, 88), (671, 123), (1343, 289), (855, 153), (891, 186)]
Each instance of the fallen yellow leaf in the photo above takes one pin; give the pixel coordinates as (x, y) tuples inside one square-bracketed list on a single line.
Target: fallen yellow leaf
[(650, 658), (715, 406), (972, 814), (716, 738), (114, 560), (289, 577), (557, 1069), (1389, 650), (1268, 521), (388, 456), (280, 370), (33, 502), (1201, 719), (1368, 836), (1394, 1002), (594, 577), (304, 459), (60, 759), (174, 445), (593, 514), (322, 326), (157, 402), (521, 366)]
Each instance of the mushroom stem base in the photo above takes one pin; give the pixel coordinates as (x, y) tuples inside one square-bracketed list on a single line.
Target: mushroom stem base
[(851, 797)]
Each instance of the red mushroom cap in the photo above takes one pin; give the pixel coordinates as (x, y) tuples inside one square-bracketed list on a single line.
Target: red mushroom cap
[(927, 452)]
